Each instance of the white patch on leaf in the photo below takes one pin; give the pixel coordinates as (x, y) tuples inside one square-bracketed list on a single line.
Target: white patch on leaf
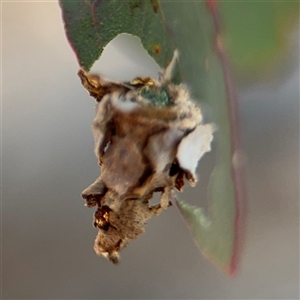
[(194, 146)]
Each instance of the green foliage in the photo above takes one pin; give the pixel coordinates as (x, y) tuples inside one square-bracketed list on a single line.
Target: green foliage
[(91, 25), (217, 234), (256, 33), (192, 30)]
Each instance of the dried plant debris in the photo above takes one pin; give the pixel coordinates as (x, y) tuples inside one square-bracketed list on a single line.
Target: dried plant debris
[(148, 136)]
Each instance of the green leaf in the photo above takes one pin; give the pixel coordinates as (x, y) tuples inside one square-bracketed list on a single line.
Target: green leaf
[(204, 67), (91, 24), (193, 29)]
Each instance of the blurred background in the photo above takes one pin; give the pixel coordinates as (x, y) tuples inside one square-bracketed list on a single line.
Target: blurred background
[(47, 160)]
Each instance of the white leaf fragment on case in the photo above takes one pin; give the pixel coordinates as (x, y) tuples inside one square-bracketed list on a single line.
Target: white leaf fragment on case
[(148, 137), (193, 146)]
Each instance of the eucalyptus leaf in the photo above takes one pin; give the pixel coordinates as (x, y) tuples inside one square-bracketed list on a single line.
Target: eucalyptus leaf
[(203, 66), (91, 25), (192, 28)]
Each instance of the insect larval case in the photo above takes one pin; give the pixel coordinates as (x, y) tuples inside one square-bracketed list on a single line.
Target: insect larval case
[(148, 137)]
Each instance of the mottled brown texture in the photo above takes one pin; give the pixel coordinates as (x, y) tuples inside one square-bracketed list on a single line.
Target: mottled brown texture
[(136, 143)]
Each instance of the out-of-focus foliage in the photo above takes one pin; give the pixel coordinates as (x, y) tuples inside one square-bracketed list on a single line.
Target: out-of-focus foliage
[(257, 34)]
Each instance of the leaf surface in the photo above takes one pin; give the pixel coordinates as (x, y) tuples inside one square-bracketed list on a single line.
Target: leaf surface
[(91, 24), (204, 67)]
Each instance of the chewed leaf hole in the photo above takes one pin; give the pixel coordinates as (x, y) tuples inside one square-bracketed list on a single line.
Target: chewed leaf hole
[(125, 58)]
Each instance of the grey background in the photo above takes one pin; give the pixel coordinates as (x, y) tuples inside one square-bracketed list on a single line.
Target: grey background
[(47, 160)]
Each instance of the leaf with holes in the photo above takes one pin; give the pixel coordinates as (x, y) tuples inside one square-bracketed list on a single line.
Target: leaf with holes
[(91, 24), (193, 29)]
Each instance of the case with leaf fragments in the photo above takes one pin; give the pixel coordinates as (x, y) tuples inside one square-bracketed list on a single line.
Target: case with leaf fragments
[(148, 137)]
